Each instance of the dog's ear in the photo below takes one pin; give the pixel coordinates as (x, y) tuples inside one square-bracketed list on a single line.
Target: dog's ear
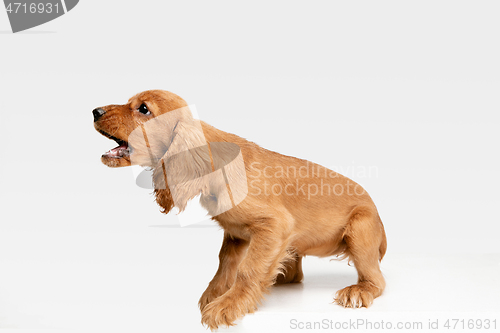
[(164, 199), (182, 168), (161, 190), (191, 167), (151, 140)]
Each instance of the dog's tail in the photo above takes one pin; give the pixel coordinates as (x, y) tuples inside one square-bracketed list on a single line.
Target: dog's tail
[(383, 245)]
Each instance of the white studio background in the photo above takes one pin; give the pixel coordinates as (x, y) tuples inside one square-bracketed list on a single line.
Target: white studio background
[(408, 90)]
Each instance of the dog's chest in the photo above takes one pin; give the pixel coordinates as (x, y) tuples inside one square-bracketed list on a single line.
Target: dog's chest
[(235, 229)]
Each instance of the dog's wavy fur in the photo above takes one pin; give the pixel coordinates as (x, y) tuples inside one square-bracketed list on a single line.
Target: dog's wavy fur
[(265, 235)]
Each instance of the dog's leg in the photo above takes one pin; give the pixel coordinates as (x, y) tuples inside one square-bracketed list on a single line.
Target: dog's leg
[(292, 271), (365, 240), (230, 256), (257, 271)]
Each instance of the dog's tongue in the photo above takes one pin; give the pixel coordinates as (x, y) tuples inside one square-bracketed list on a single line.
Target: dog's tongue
[(119, 151)]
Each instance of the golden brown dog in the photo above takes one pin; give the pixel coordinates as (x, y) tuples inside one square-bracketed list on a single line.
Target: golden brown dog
[(274, 209)]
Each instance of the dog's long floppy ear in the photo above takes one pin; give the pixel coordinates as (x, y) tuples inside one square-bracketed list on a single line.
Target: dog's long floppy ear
[(164, 199), (180, 172)]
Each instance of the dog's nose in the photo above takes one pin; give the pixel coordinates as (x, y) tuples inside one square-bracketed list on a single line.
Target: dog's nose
[(98, 113)]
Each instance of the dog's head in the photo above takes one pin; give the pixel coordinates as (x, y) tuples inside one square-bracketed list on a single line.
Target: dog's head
[(142, 128), (156, 129)]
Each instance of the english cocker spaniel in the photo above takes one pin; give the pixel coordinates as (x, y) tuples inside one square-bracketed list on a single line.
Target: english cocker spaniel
[(274, 209)]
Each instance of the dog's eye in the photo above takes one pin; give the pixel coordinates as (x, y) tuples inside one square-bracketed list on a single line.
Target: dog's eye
[(144, 109)]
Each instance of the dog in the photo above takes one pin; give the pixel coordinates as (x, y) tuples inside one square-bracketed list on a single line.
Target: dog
[(274, 209)]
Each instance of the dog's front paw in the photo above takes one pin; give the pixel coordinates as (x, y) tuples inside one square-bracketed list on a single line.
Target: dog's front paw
[(208, 296), (355, 296), (224, 310)]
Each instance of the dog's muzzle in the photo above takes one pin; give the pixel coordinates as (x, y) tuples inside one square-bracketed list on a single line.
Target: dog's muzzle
[(98, 113)]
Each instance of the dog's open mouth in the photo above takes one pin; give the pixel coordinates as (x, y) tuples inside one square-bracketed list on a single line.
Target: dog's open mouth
[(123, 150)]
